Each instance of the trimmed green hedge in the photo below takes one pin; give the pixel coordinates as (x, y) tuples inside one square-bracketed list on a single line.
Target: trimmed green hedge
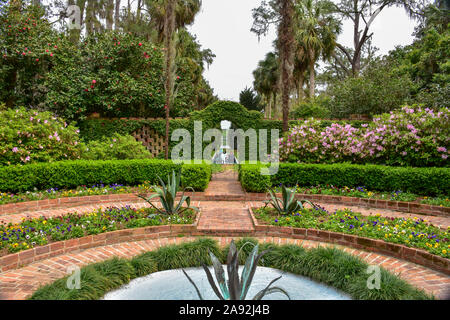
[(71, 174), (422, 181)]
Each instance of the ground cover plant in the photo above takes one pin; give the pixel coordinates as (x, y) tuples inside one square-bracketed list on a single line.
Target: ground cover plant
[(412, 232), (327, 265), (34, 232)]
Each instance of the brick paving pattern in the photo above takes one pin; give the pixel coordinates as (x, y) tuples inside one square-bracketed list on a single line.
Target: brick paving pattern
[(227, 216), (21, 283)]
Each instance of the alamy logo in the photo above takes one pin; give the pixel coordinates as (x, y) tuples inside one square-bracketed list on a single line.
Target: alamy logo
[(374, 280), (73, 14), (74, 280)]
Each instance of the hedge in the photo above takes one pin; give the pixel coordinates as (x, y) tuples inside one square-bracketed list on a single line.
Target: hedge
[(421, 181), (71, 174)]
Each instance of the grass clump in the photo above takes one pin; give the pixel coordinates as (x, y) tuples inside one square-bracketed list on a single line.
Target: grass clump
[(330, 266)]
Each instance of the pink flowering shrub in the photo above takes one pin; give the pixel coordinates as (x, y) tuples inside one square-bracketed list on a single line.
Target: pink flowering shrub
[(411, 136), (28, 136), (414, 136)]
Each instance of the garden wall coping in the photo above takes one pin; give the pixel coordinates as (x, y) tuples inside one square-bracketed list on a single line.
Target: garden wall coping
[(66, 202)]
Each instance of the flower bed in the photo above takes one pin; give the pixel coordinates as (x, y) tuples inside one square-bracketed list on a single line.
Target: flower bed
[(55, 193), (41, 231), (362, 192), (415, 233)]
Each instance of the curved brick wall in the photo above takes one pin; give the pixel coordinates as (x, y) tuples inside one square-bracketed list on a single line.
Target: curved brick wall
[(409, 207)]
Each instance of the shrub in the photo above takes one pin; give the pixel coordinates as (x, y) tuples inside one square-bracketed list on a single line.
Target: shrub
[(196, 176), (421, 181), (315, 108), (117, 147), (377, 90), (28, 136), (70, 174), (411, 136), (252, 179)]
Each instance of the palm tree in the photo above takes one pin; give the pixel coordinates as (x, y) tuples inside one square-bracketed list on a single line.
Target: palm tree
[(185, 12), (286, 45), (167, 17), (266, 81), (315, 35)]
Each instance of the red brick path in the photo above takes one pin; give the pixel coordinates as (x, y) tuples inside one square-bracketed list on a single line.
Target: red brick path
[(216, 216), (21, 283)]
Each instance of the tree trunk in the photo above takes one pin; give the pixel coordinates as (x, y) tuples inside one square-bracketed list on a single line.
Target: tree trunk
[(312, 80), (138, 12), (109, 14), (169, 28), (117, 15), (286, 41), (301, 82)]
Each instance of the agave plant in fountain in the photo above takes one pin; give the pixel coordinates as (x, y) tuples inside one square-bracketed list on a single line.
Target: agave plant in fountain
[(287, 204), (235, 288), (167, 194)]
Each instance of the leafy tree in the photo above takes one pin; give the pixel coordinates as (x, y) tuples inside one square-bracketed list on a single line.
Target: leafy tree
[(250, 99), (379, 89), (363, 13), (28, 44), (110, 73)]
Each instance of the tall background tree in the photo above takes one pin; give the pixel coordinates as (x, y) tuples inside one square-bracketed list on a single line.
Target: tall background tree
[(316, 33), (266, 82), (363, 13)]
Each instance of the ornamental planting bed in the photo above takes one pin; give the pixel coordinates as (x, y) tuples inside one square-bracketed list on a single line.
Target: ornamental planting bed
[(40, 238), (320, 225)]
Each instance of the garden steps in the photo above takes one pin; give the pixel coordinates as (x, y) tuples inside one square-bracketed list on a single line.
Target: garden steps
[(21, 283), (225, 184), (225, 216)]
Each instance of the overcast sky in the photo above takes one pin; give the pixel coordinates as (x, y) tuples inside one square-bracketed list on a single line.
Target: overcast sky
[(224, 27)]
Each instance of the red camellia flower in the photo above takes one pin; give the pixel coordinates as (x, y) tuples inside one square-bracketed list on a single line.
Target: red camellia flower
[(37, 60), (94, 81), (140, 44), (178, 77)]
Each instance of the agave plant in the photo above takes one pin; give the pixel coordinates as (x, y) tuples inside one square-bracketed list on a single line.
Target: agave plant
[(287, 204), (167, 194), (235, 288)]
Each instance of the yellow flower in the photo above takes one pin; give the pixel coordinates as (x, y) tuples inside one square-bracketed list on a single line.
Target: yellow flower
[(444, 251), (104, 228), (44, 222)]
